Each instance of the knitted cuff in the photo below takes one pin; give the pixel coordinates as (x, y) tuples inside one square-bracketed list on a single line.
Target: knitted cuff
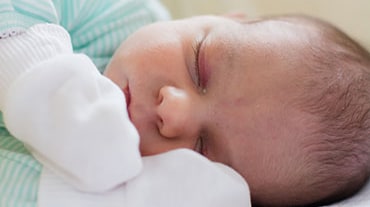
[(11, 32), (24, 51)]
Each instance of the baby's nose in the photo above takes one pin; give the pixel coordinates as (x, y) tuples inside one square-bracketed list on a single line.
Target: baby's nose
[(174, 112)]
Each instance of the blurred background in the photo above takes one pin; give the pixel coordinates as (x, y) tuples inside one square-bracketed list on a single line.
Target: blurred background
[(351, 16)]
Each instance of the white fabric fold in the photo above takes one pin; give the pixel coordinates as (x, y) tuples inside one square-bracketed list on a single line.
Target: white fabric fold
[(180, 178)]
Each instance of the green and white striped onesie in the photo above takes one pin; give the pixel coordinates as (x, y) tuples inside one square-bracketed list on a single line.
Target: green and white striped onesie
[(96, 28), (19, 172)]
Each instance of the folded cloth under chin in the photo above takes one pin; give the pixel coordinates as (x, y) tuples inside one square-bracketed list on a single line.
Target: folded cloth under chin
[(180, 178)]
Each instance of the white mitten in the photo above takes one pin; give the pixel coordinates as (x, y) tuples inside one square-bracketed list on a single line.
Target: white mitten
[(69, 116)]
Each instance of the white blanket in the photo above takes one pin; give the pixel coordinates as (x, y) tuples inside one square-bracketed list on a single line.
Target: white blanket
[(179, 178), (361, 199)]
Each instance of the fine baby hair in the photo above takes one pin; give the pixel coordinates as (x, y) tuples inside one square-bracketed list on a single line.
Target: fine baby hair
[(335, 89)]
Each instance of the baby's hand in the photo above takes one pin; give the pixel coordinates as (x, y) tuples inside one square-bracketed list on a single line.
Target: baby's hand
[(74, 121)]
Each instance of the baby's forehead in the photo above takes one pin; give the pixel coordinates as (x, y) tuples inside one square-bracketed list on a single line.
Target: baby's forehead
[(288, 25)]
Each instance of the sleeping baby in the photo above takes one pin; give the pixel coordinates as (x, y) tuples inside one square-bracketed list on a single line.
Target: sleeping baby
[(283, 101)]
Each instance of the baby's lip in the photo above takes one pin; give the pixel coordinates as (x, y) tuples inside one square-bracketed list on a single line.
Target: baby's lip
[(126, 91)]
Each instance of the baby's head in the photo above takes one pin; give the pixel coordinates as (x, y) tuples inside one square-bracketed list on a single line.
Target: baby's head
[(284, 101)]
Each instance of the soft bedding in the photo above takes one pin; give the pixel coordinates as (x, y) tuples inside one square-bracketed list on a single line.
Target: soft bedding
[(361, 199), (180, 178)]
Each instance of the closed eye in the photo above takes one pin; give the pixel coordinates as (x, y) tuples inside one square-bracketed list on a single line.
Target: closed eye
[(199, 145), (200, 71), (196, 50)]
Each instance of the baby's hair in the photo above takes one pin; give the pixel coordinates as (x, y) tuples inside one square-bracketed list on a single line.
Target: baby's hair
[(336, 90)]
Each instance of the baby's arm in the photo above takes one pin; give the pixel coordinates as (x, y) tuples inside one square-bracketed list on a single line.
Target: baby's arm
[(71, 118)]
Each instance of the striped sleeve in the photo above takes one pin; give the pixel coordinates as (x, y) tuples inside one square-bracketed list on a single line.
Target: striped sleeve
[(25, 13), (97, 28), (19, 172)]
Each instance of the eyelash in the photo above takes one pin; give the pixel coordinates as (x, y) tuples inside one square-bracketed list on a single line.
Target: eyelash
[(200, 145), (196, 50)]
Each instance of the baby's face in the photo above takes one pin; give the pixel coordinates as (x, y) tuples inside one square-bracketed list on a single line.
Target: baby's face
[(215, 86)]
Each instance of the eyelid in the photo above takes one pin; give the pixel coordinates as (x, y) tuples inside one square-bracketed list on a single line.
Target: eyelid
[(198, 68), (201, 145), (195, 67)]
